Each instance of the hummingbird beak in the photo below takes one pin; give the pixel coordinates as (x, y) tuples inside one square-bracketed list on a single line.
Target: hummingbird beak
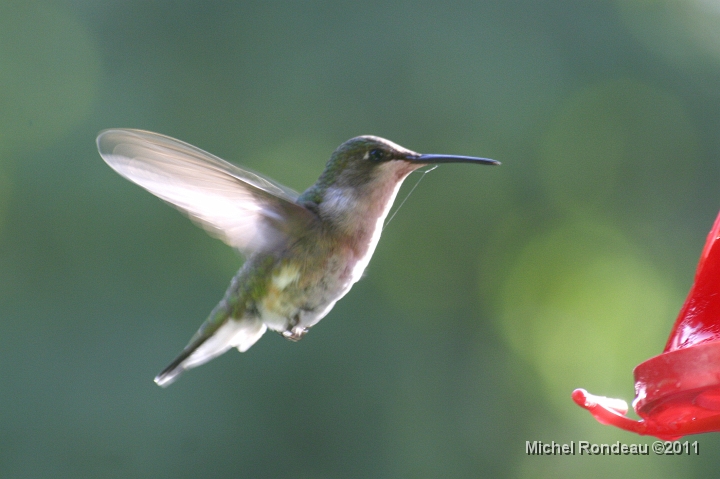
[(436, 159)]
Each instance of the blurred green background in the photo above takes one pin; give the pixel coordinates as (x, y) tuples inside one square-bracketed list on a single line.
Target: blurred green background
[(492, 295)]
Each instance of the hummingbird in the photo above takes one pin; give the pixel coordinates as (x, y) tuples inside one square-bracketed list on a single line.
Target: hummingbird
[(303, 252)]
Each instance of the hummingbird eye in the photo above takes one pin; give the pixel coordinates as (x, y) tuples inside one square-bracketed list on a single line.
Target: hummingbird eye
[(376, 154)]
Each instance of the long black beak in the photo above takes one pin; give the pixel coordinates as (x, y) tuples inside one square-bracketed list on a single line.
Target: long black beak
[(435, 159)]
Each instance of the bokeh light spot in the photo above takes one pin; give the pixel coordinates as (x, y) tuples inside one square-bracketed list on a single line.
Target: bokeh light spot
[(582, 306), (685, 33)]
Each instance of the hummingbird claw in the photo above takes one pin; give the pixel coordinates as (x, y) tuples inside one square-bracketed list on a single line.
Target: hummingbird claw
[(295, 333)]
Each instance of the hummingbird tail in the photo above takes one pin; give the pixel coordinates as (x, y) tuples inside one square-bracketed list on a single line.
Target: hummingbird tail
[(212, 342)]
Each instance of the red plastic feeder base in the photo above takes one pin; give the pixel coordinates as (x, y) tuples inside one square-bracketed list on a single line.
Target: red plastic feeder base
[(677, 393), (681, 389)]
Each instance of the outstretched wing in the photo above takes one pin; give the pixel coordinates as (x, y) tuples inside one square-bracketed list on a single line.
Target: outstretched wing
[(247, 211)]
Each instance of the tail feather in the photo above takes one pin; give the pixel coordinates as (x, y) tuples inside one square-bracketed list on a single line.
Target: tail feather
[(212, 342)]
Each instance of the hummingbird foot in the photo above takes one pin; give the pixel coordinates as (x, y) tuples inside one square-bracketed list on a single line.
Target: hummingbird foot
[(294, 333)]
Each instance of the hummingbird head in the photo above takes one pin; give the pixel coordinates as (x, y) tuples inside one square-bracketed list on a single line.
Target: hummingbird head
[(370, 161), (363, 175), (366, 160)]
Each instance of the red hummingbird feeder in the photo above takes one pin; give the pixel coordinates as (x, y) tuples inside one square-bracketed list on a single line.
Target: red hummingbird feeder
[(677, 392)]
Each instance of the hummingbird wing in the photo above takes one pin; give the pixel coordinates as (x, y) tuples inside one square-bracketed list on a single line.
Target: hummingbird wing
[(245, 210)]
